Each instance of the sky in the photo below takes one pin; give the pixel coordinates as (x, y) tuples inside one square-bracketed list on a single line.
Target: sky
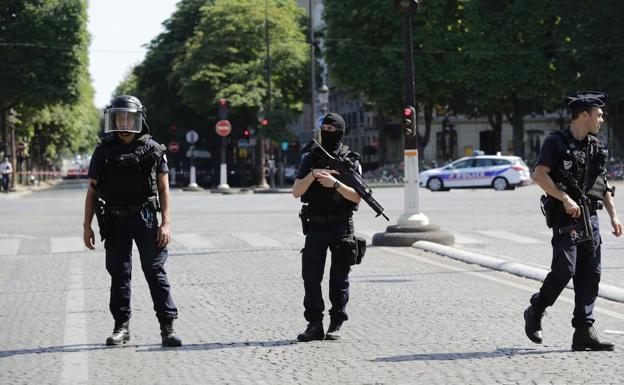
[(120, 30)]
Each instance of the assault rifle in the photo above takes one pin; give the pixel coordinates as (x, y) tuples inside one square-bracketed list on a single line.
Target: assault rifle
[(348, 170)]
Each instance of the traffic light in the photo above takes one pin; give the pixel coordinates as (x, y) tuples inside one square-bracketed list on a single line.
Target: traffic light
[(264, 123), (406, 5), (223, 109), (409, 121), (246, 133)]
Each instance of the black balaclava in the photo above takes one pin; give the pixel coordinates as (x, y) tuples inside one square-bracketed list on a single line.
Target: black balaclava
[(331, 140)]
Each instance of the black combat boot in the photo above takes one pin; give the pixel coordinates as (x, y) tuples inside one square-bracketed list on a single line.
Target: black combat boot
[(121, 334), (314, 331), (586, 338), (533, 323), (333, 332), (168, 335)]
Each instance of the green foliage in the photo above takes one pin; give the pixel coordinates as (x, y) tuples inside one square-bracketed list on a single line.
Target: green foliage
[(226, 56), (44, 75), (44, 47)]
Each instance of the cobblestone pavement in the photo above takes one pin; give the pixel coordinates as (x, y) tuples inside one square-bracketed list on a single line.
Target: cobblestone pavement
[(415, 318)]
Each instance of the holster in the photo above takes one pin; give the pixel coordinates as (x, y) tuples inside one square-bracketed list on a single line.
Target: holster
[(101, 216), (349, 250), (547, 209), (304, 215)]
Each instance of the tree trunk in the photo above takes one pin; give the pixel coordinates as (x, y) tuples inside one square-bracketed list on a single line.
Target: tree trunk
[(496, 122), (517, 122), (423, 140)]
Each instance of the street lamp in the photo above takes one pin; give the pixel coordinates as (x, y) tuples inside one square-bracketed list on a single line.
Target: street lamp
[(323, 98), (413, 225)]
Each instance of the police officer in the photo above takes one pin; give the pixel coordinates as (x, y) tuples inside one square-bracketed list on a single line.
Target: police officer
[(573, 161), (329, 210), (128, 174)]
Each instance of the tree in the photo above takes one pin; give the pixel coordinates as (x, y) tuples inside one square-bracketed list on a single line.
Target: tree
[(226, 58), (43, 71), (365, 53)]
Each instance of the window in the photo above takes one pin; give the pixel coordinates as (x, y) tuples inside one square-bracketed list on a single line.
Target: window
[(461, 164), (484, 162), (501, 162)]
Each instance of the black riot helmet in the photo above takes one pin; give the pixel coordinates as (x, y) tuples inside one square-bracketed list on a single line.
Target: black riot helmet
[(125, 113)]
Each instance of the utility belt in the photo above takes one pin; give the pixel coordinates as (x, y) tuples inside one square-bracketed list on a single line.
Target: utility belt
[(126, 211), (551, 208), (329, 218)]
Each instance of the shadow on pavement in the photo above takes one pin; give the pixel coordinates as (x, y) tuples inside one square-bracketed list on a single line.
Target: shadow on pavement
[(143, 348), (500, 352), (56, 349), (219, 345)]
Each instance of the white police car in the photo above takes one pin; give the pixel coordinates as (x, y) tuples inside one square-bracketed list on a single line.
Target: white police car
[(498, 172)]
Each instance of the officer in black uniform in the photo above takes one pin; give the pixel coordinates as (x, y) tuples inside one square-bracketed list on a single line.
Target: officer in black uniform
[(128, 174), (328, 223), (571, 161)]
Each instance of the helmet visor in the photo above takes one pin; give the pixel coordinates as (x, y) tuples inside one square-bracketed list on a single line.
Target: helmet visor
[(122, 120)]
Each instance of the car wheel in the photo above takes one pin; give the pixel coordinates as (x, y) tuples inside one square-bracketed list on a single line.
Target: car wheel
[(500, 184), (435, 184)]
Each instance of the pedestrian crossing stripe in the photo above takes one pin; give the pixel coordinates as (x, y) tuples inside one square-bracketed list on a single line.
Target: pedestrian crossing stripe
[(9, 246), (196, 241)]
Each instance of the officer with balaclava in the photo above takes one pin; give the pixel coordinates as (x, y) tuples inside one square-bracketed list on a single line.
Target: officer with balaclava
[(128, 186), (571, 169), (329, 205)]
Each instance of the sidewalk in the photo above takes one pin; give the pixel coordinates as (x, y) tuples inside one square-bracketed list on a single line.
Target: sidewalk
[(21, 190)]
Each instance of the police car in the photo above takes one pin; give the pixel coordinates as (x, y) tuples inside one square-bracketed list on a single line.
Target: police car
[(498, 172)]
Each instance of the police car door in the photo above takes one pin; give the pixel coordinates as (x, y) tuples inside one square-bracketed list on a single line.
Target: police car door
[(459, 173), (484, 172)]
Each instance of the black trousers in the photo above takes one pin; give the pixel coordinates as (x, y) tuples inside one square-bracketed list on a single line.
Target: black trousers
[(574, 262), (141, 227), (320, 236)]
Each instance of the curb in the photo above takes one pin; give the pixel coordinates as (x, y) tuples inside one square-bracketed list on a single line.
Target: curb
[(609, 292)]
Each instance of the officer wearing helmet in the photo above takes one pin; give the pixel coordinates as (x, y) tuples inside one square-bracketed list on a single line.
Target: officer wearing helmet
[(328, 224), (128, 186), (571, 170)]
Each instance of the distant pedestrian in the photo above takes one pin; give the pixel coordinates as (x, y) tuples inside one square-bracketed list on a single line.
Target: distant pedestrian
[(571, 169), (6, 169), (128, 186), (327, 218)]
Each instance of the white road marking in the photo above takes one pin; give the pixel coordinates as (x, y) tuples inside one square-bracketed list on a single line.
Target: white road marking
[(9, 246), (257, 240), (66, 244), (22, 236), (192, 241), (506, 235), (75, 362), (525, 288)]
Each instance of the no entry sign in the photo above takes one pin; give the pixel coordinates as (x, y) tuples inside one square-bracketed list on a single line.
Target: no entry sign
[(223, 127), (174, 147)]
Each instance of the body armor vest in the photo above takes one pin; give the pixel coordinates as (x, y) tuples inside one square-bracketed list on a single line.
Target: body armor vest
[(570, 174), (130, 178), (323, 200)]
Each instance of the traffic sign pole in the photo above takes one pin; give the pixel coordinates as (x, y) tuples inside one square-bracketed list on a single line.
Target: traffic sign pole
[(192, 137), (223, 128)]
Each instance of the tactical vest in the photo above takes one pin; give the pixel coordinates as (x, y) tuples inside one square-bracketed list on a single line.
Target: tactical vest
[(570, 175), (130, 178), (323, 200)]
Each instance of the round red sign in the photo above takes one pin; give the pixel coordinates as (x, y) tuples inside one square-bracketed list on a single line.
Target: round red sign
[(223, 127), (174, 147)]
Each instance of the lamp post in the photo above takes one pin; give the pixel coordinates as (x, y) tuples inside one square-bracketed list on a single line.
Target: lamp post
[(413, 225), (323, 98)]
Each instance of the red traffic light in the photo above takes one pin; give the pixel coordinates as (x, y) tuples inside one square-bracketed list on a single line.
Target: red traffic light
[(264, 122), (223, 102), (407, 112), (246, 133)]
